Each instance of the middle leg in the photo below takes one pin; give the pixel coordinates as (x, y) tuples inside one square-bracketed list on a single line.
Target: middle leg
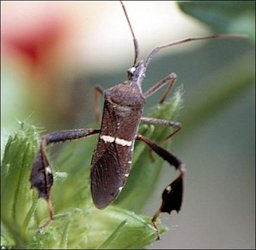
[(98, 90), (162, 122)]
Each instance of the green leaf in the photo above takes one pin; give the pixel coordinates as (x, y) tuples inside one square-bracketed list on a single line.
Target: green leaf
[(7, 241), (224, 16), (16, 195), (92, 228)]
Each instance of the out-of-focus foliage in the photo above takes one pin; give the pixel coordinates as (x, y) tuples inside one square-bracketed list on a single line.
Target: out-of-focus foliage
[(224, 16)]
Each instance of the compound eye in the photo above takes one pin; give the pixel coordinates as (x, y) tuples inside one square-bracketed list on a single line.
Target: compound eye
[(131, 70)]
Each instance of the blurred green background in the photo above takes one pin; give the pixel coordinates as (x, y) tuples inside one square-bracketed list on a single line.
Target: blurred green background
[(54, 53)]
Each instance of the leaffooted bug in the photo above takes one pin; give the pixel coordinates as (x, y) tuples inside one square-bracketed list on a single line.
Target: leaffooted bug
[(112, 158)]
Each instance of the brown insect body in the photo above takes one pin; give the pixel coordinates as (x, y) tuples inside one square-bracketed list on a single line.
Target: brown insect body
[(112, 158)]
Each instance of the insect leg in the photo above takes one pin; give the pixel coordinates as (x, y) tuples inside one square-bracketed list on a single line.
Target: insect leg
[(172, 194), (155, 121), (170, 80), (41, 176), (97, 91)]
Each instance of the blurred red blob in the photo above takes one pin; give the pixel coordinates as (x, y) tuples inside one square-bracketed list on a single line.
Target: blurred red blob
[(33, 36), (32, 31), (36, 42)]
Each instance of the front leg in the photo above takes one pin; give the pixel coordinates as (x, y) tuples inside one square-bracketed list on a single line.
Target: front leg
[(173, 193), (41, 176), (98, 90), (170, 80)]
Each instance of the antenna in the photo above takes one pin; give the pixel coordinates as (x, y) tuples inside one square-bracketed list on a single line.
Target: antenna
[(135, 41), (216, 36)]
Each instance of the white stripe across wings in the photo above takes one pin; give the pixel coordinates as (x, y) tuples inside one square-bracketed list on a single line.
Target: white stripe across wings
[(119, 141)]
